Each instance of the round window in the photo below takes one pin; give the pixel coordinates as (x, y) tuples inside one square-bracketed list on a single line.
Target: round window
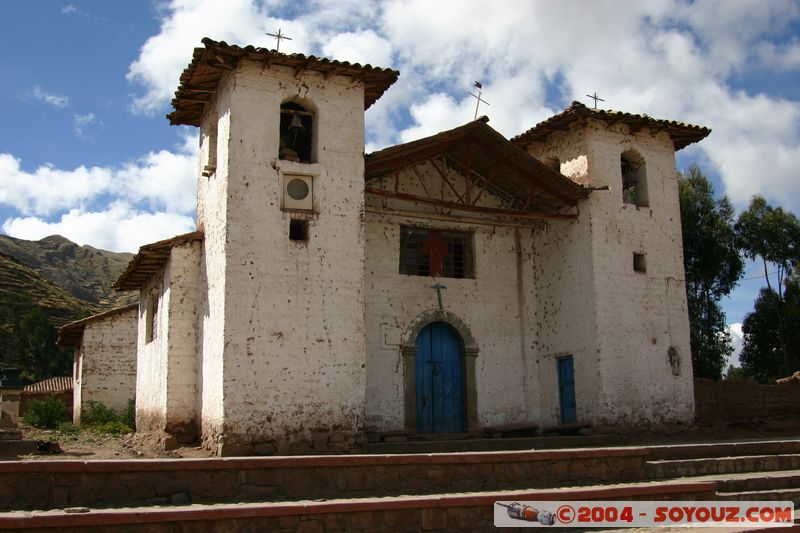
[(297, 189)]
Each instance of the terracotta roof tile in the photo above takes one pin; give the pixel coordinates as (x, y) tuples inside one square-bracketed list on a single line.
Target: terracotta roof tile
[(200, 79), (51, 385), (682, 134), (150, 260)]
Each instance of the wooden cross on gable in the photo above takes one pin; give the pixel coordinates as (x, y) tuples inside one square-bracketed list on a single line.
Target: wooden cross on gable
[(278, 36)]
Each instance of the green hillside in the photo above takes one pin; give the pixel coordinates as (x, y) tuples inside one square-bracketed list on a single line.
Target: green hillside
[(44, 285), (85, 272), (19, 282)]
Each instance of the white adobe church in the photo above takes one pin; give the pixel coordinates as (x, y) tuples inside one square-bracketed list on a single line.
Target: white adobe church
[(449, 284)]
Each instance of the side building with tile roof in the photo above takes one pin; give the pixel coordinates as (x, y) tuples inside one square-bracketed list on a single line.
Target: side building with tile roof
[(104, 365)]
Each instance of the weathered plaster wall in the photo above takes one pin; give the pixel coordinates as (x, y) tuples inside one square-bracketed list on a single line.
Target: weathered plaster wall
[(212, 206), (107, 363), (293, 354), (186, 297), (629, 319), (151, 362), (494, 306), (640, 315)]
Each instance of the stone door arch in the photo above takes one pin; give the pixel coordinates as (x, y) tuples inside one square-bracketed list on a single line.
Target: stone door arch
[(409, 350)]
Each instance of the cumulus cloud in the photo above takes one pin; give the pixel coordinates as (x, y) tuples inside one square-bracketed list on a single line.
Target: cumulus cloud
[(365, 47), (669, 59), (120, 227), (160, 179), (54, 100)]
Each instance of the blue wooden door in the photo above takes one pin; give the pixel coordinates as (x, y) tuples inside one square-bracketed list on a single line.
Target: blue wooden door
[(440, 380), (566, 390)]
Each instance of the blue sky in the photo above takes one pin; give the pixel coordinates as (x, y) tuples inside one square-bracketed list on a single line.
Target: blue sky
[(86, 152)]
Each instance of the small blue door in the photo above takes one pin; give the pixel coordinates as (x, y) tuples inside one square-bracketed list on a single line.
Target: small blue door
[(566, 390), (440, 380)]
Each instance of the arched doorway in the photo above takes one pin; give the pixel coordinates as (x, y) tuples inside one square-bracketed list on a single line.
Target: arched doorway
[(439, 380)]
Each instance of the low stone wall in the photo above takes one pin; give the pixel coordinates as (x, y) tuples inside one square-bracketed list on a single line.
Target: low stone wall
[(97, 484), (733, 401)]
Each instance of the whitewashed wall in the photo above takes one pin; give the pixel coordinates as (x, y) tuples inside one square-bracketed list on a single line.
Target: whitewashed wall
[(291, 352), (106, 367), (627, 320)]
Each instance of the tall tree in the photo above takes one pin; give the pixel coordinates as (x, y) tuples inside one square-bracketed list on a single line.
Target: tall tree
[(713, 266), (771, 235), (771, 333)]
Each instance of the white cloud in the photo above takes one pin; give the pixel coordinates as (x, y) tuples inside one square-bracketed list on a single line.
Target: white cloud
[(80, 123), (54, 100), (365, 47), (69, 8), (667, 58), (164, 56), (159, 179), (120, 227)]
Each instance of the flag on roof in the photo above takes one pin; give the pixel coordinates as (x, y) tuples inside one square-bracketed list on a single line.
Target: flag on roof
[(478, 85)]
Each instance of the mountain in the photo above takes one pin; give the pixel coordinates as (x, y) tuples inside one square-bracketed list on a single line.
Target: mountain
[(19, 282), (85, 272)]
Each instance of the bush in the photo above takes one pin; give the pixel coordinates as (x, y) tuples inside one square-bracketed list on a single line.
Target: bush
[(112, 428), (45, 414), (129, 416), (97, 414)]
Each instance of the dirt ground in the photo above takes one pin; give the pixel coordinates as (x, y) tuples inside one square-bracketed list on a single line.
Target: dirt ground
[(89, 445)]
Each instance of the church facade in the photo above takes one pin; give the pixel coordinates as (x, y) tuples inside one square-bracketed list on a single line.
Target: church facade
[(449, 284)]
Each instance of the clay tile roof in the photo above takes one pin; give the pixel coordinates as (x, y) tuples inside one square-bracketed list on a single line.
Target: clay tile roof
[(150, 260), (71, 334), (200, 79), (682, 134), (505, 167), (51, 385)]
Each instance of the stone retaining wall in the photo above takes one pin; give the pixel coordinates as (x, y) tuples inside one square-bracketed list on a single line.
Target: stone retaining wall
[(61, 484), (735, 401)]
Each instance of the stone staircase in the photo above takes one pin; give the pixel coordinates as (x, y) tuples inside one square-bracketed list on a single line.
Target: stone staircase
[(390, 492)]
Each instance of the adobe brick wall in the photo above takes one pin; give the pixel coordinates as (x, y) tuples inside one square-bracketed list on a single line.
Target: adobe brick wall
[(730, 401), (97, 484)]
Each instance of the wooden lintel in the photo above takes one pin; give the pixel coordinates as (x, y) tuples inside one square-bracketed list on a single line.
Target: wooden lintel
[(468, 175), (474, 208), (527, 223)]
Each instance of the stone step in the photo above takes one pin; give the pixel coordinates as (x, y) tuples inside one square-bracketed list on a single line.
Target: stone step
[(788, 479), (671, 468), (435, 512), (786, 494), (490, 444), (726, 449), (58, 484)]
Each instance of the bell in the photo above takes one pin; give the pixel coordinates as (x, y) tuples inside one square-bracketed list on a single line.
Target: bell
[(296, 124)]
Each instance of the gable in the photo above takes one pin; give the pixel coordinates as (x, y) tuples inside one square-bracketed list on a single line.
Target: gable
[(470, 169)]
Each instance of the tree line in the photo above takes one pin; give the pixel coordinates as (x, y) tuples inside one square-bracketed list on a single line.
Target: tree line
[(715, 246)]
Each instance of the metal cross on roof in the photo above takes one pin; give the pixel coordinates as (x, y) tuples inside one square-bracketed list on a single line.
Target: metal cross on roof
[(278, 36), (478, 96), (595, 98)]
